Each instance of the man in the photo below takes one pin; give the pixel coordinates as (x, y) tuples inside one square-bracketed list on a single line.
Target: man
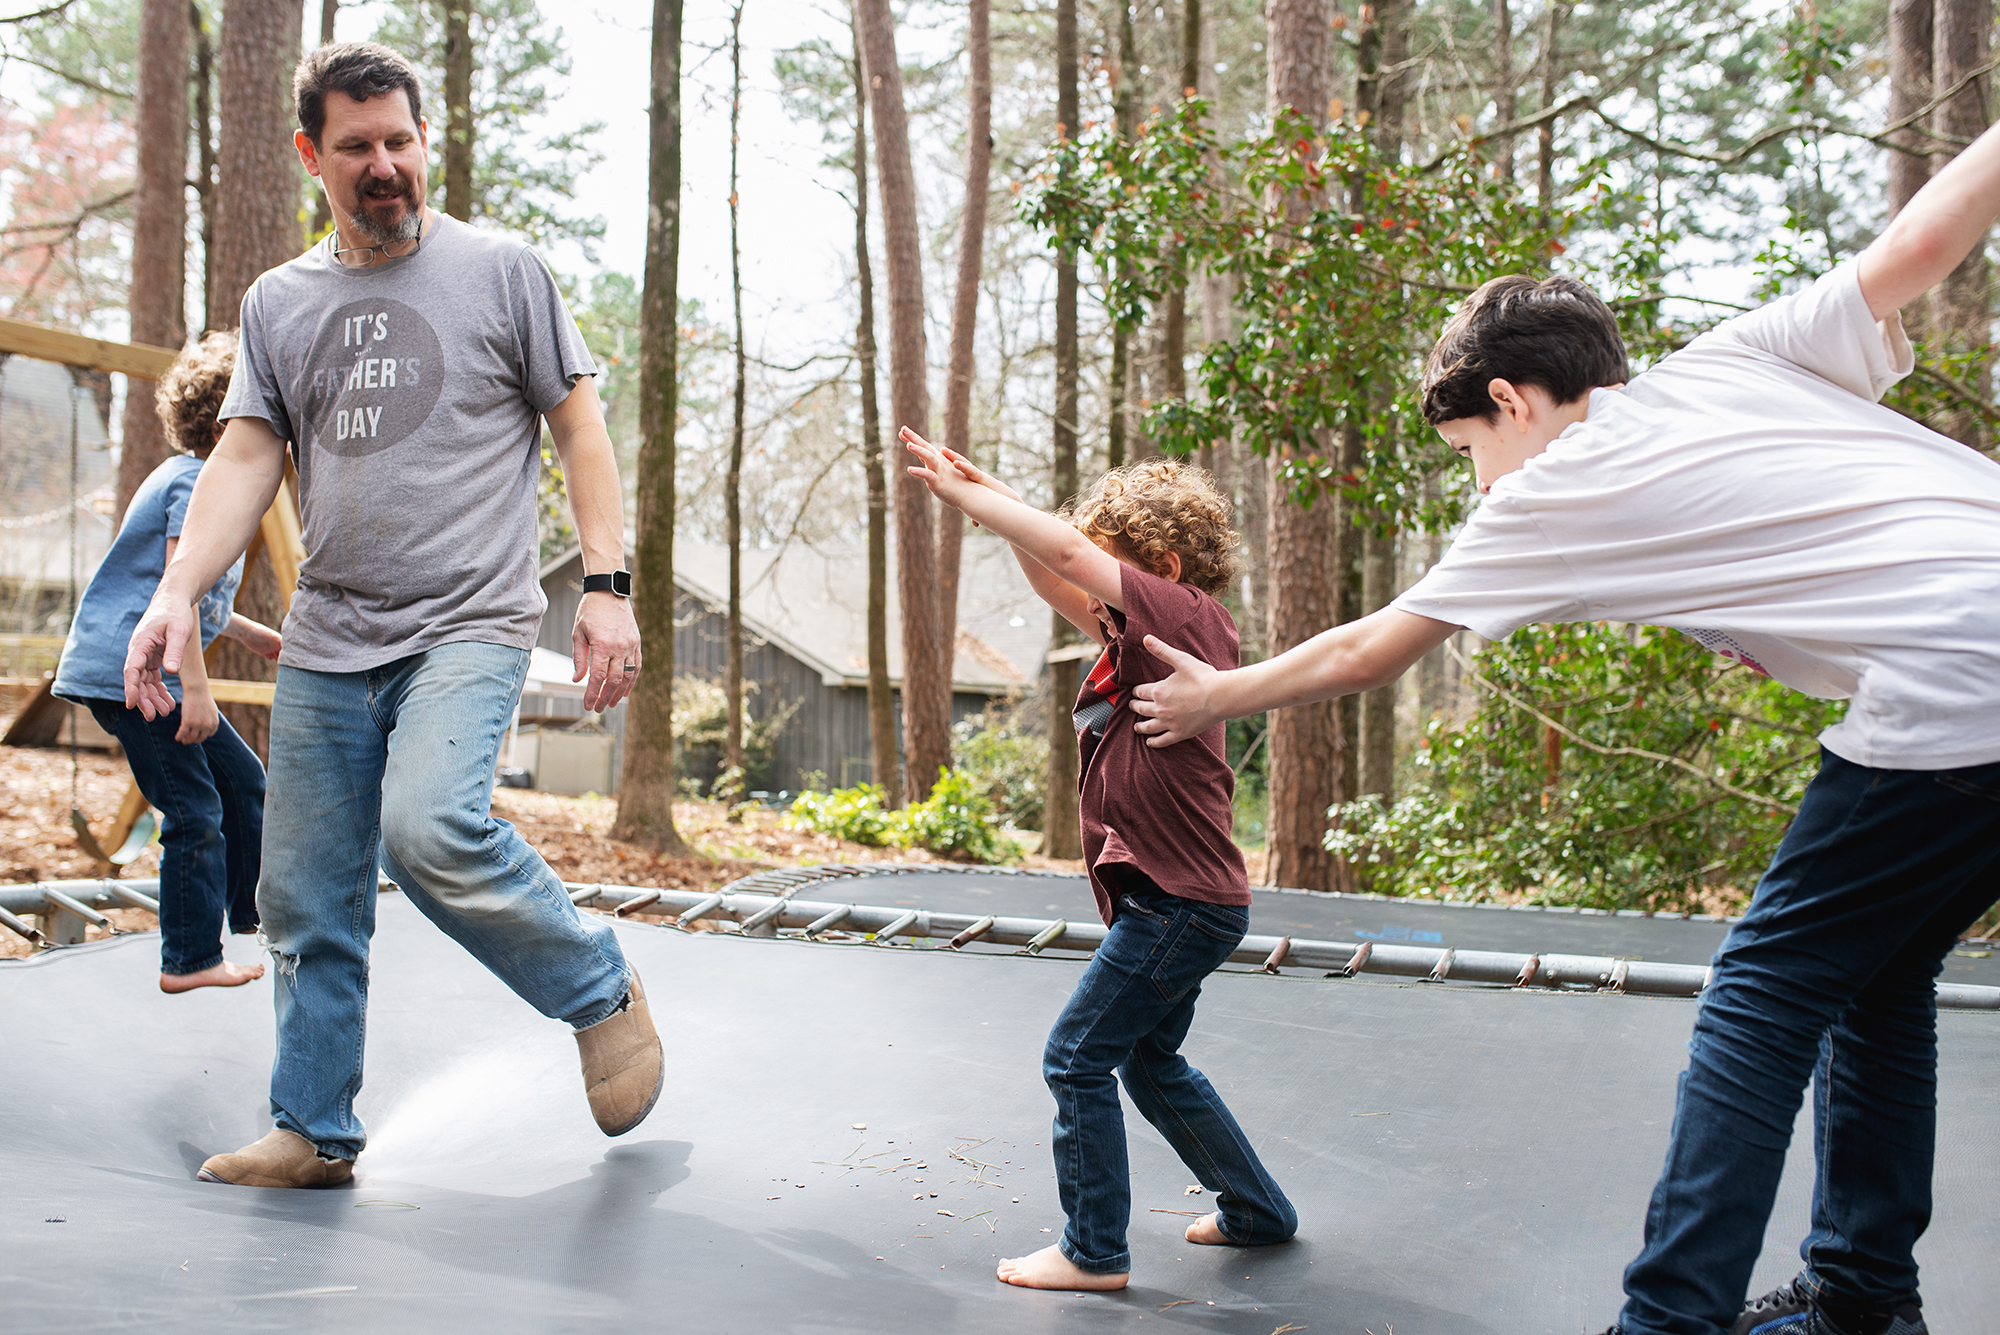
[(1751, 491), (409, 360)]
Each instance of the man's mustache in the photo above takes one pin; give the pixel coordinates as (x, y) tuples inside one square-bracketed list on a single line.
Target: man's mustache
[(395, 189)]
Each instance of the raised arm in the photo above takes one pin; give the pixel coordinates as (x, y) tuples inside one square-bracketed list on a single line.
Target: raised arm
[(1072, 603), (1358, 656), (231, 494), (1936, 230)]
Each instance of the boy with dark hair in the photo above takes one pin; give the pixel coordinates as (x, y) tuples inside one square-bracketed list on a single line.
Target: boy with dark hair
[(1751, 492), (1144, 551)]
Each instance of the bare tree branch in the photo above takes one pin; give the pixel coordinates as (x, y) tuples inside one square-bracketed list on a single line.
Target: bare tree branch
[(48, 13), (77, 79)]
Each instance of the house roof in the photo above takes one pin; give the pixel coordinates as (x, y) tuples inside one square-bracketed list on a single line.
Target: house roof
[(811, 600)]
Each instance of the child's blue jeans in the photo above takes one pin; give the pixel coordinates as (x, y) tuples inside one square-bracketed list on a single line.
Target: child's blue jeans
[(1830, 975), (399, 760), (211, 795), (1129, 1014)]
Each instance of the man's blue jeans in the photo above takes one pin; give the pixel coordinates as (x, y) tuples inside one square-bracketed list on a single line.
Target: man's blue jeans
[(1830, 975), (1130, 1013), (402, 757), (211, 795)]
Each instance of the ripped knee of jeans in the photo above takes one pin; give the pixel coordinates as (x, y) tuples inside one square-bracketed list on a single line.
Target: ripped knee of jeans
[(287, 965)]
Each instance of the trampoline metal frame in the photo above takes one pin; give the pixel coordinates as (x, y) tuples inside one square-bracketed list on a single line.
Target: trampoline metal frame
[(774, 905)]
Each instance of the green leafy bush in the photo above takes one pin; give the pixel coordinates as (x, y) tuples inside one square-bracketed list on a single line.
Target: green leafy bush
[(701, 728), (956, 821), (1006, 757), (854, 814), (1607, 766)]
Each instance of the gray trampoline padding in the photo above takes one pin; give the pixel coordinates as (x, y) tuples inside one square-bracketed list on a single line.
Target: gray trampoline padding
[(1464, 1160)]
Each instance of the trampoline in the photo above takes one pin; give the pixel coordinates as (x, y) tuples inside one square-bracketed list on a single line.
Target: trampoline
[(852, 1133)]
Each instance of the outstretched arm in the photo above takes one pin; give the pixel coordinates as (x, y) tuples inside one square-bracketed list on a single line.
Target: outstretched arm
[(1059, 548), (1068, 600), (1358, 656), (1936, 230)]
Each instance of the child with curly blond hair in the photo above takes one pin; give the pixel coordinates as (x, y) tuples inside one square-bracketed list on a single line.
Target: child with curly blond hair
[(1143, 552), (207, 783)]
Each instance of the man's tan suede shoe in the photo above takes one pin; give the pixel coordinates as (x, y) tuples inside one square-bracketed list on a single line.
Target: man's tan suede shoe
[(623, 1067), (280, 1159)]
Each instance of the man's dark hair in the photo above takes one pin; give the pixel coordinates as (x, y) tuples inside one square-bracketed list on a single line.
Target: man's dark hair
[(1553, 333), (359, 69)]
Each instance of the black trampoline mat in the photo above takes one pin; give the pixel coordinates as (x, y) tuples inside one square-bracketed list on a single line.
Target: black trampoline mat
[(1463, 1159)]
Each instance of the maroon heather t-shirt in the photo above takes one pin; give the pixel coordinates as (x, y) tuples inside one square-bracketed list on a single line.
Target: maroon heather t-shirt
[(1163, 811)]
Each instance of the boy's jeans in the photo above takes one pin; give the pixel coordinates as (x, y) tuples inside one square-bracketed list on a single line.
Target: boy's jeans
[(1831, 974), (1130, 1013), (402, 756), (212, 797)]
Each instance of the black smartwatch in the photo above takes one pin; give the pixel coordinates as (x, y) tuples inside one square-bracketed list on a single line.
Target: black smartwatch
[(618, 582)]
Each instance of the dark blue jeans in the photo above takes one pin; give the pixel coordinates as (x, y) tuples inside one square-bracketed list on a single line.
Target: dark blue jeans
[(1830, 975), (211, 840), (1130, 1014)]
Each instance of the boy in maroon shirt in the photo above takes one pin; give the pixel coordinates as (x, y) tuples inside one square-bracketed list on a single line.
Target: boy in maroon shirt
[(1142, 554)]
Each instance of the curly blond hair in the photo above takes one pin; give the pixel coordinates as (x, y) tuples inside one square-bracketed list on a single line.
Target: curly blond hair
[(1148, 509), (191, 392)]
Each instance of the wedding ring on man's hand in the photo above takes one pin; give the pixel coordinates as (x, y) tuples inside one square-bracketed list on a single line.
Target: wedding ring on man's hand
[(631, 667)]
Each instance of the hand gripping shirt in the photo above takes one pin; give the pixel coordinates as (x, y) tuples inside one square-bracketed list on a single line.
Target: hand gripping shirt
[(1751, 492), (412, 393), (1162, 810)]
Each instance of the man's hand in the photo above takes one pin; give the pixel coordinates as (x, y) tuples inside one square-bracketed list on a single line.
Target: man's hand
[(604, 645), (156, 648), (199, 717), (1177, 707)]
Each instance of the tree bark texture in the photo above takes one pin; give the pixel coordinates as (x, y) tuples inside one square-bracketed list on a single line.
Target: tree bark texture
[(1909, 163), (927, 629), (159, 228), (1126, 111), (256, 228), (458, 132), (1505, 103), (965, 306), (1962, 310), (732, 489), (204, 138), (1545, 136), (646, 781), (322, 220), (1062, 828), (882, 761), (1306, 750)]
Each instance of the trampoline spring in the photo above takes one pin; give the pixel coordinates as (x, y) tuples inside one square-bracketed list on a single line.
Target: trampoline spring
[(769, 911), (1042, 939), (585, 895), (1442, 969), (637, 902), (1277, 955), (1529, 971), (57, 899), (1619, 970), (903, 920), (972, 933), (20, 927), (826, 920), (1358, 960), (132, 897), (699, 910)]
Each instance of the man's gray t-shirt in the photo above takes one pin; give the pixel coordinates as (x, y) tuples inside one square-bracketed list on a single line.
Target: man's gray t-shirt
[(412, 393)]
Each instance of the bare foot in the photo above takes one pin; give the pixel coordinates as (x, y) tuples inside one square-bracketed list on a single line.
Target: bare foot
[(1050, 1269), (224, 974), (1207, 1230)]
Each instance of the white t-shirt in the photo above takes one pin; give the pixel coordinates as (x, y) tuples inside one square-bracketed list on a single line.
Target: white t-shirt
[(1751, 492)]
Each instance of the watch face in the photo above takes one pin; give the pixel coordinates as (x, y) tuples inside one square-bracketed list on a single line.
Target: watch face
[(621, 583)]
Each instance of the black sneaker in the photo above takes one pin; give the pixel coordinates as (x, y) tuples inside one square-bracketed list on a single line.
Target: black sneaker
[(1790, 1310)]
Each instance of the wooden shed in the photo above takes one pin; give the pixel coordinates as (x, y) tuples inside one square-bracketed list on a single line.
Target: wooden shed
[(806, 642)]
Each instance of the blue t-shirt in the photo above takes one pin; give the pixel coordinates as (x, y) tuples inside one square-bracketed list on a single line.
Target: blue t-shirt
[(93, 658)]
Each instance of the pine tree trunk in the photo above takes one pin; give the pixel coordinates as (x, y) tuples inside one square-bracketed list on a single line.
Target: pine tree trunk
[(1306, 751), (159, 228), (256, 228), (1962, 310), (1062, 828), (322, 222), (646, 780), (882, 761), (732, 490), (1545, 136), (458, 108), (965, 307), (1505, 103), (926, 632), (204, 138), (1910, 39)]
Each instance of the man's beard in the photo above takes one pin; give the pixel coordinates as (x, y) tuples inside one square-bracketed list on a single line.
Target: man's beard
[(408, 228)]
